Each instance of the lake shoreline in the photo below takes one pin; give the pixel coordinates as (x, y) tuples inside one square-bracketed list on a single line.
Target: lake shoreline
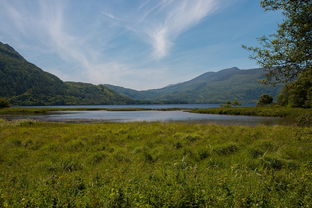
[(296, 116)]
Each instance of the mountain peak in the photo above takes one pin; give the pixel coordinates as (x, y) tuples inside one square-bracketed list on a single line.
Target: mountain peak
[(7, 50), (230, 69)]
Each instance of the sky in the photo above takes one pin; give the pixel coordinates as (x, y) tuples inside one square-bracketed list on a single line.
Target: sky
[(139, 44)]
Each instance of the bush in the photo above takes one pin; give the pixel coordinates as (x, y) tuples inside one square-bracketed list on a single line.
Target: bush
[(230, 104), (298, 93), (265, 100), (4, 103), (236, 103)]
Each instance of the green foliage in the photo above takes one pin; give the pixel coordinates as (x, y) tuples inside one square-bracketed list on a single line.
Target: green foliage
[(25, 84), (287, 53), (297, 116), (230, 104), (154, 165), (298, 93), (211, 87), (265, 100), (236, 103), (4, 103), (226, 149), (286, 56), (226, 105)]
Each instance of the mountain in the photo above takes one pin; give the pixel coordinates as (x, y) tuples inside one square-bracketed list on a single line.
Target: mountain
[(211, 87), (24, 83)]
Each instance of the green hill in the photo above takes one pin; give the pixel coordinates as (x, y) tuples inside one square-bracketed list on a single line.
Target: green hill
[(211, 87), (24, 83)]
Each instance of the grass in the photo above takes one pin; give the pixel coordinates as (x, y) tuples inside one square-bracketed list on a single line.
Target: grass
[(35, 111), (299, 116), (292, 116), (271, 111), (154, 165)]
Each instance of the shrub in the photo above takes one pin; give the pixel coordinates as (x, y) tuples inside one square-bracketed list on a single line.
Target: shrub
[(265, 100), (4, 103), (298, 93), (236, 103), (226, 105)]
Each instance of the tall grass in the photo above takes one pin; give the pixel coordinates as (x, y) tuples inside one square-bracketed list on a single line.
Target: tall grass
[(298, 116), (154, 165)]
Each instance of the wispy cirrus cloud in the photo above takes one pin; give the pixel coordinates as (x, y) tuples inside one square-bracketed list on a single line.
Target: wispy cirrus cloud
[(178, 16), (159, 23), (48, 23), (53, 28)]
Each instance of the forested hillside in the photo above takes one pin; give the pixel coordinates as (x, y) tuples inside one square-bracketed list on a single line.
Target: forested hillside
[(210, 87), (24, 83)]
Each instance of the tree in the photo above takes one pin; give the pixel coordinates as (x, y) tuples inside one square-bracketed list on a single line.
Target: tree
[(4, 103), (236, 103), (287, 53), (298, 93), (265, 100)]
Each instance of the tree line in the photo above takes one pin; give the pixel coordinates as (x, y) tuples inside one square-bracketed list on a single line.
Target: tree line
[(286, 55)]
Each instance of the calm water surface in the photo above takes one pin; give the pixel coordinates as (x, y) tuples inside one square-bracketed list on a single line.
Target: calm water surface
[(156, 106), (149, 116)]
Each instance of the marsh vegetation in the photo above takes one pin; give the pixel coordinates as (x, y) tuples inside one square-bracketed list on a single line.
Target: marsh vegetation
[(154, 165)]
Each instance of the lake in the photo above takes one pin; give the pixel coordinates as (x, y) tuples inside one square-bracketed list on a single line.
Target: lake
[(147, 106), (149, 116)]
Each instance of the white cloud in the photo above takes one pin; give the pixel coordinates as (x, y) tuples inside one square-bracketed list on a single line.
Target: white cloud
[(180, 16), (49, 26), (160, 42), (161, 22), (158, 23), (165, 22)]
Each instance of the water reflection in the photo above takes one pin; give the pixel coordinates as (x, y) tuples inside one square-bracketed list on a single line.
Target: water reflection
[(150, 116), (146, 106)]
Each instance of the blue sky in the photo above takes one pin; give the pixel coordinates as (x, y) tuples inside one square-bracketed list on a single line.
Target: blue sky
[(141, 44)]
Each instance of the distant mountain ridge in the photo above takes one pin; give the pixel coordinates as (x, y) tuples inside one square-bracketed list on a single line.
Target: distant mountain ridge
[(24, 83), (210, 87)]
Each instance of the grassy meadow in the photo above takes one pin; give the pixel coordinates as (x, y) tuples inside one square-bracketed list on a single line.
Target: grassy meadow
[(296, 116), (154, 165), (271, 111)]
